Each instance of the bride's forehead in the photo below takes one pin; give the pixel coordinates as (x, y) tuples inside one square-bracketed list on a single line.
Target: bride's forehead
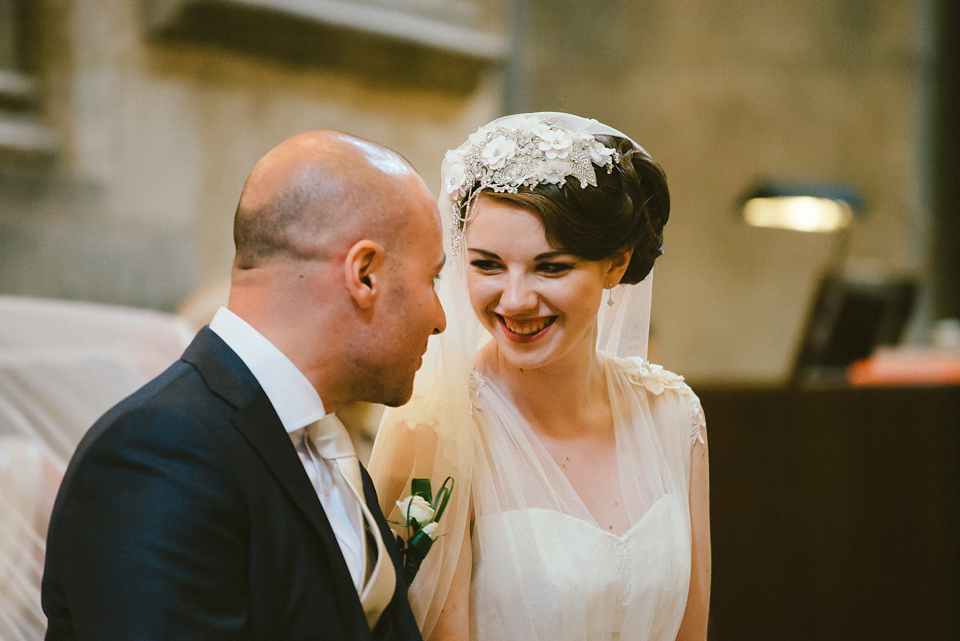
[(506, 223)]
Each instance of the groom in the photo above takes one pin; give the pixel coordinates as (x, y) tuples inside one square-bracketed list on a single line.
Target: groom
[(223, 500)]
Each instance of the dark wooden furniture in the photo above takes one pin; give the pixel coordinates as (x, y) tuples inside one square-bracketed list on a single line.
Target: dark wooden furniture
[(835, 513)]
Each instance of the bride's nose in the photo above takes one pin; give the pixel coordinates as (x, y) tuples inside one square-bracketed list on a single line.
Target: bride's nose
[(518, 295)]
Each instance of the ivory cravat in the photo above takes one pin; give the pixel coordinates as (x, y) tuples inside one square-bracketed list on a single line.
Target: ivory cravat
[(331, 444)]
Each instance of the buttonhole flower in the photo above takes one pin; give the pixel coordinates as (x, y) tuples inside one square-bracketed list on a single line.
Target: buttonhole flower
[(415, 509), (420, 519)]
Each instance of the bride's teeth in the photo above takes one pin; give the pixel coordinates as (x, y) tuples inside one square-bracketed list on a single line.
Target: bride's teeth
[(525, 330)]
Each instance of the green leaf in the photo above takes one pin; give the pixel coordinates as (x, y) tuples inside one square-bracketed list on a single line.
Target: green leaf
[(443, 497), (421, 487)]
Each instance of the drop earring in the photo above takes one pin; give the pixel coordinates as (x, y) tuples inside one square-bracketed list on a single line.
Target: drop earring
[(610, 295)]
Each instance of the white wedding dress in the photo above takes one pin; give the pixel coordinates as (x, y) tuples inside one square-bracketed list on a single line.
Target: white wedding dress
[(547, 570)]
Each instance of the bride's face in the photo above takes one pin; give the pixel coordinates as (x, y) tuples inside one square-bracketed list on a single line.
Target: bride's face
[(538, 301)]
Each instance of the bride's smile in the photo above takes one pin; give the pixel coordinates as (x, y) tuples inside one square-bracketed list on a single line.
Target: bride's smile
[(525, 330)]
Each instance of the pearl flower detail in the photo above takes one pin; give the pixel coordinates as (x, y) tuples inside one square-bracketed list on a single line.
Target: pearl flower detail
[(498, 151)]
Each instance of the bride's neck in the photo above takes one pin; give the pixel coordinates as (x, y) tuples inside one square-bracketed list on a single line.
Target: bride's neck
[(557, 398)]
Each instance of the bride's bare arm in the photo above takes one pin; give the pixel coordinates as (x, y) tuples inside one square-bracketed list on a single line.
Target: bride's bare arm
[(694, 624), (453, 623)]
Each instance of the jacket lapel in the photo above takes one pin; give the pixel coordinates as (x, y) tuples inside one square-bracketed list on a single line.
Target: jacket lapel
[(226, 376), (389, 538)]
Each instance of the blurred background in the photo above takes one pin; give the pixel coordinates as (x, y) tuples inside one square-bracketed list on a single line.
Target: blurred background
[(127, 128)]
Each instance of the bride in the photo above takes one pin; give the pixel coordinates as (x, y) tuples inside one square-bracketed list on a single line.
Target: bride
[(581, 502)]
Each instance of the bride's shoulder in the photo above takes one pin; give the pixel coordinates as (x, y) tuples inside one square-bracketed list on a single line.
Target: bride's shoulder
[(649, 376), (660, 383)]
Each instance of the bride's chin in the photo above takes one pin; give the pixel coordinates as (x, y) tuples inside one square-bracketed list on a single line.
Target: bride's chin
[(525, 361)]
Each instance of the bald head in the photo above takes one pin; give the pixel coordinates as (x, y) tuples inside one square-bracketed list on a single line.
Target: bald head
[(338, 245), (315, 194)]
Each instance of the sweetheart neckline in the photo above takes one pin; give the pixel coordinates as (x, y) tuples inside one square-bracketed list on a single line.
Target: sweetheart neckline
[(618, 537)]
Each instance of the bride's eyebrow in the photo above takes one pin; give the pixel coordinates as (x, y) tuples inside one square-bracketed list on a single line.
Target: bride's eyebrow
[(484, 252), (539, 257), (553, 254)]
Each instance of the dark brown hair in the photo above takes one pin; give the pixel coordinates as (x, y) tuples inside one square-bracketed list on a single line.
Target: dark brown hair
[(627, 209)]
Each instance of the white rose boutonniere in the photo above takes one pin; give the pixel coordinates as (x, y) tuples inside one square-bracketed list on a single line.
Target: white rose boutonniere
[(420, 513), (416, 508)]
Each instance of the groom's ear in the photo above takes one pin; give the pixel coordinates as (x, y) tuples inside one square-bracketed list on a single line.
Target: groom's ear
[(362, 270)]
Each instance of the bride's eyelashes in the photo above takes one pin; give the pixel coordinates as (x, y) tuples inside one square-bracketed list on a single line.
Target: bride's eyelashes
[(554, 268), (485, 265), (547, 268)]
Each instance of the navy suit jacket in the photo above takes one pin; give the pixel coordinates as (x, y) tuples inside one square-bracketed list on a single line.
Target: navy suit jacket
[(185, 513)]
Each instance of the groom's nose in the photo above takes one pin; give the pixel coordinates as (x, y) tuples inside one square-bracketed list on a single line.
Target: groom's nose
[(440, 322)]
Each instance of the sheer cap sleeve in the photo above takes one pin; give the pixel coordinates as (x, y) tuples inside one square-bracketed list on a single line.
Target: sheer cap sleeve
[(655, 379)]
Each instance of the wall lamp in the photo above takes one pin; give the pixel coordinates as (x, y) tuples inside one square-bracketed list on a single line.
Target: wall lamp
[(852, 313), (801, 207)]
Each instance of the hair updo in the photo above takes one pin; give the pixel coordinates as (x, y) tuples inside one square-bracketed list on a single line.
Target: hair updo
[(626, 210)]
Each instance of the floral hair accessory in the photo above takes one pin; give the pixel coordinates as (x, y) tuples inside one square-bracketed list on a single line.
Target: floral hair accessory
[(515, 152), (421, 512)]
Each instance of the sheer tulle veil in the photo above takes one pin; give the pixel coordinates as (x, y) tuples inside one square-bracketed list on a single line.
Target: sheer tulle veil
[(436, 434)]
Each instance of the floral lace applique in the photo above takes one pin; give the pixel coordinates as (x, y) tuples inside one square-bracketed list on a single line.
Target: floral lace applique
[(655, 380), (653, 377), (697, 420), (477, 380)]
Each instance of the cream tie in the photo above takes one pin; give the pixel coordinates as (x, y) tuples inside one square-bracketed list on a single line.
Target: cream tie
[(332, 443)]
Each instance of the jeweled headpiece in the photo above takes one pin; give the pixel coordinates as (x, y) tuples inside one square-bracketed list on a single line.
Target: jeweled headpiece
[(519, 151)]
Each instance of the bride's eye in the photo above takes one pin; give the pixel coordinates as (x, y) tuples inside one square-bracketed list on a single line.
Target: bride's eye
[(554, 268), (484, 265)]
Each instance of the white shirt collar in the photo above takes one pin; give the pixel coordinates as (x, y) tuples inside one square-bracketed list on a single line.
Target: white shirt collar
[(295, 400)]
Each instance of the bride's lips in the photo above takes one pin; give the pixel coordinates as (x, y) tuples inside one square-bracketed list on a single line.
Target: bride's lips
[(525, 330)]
